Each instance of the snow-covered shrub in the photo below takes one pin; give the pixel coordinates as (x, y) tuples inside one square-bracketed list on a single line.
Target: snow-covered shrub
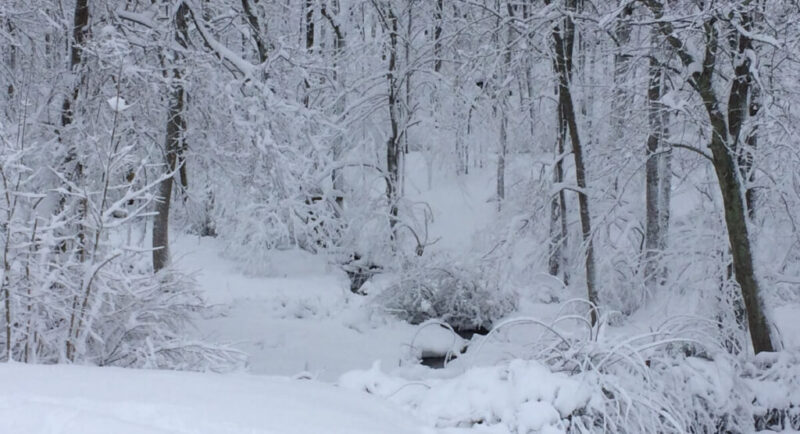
[(272, 185), (662, 381), (143, 320), (773, 381), (77, 286), (591, 381), (464, 296), (522, 396), (109, 309)]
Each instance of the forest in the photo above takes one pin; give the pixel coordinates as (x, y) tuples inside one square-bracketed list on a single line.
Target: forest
[(401, 216)]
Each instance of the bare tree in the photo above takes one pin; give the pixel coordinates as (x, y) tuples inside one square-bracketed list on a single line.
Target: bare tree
[(339, 44), (503, 102), (564, 41), (705, 81), (389, 22), (174, 143), (72, 163), (658, 172)]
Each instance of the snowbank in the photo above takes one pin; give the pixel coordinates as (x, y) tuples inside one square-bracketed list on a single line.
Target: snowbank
[(83, 400), (521, 397)]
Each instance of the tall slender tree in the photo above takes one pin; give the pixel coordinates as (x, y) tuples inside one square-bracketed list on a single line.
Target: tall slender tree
[(705, 81), (563, 42), (658, 171), (174, 141)]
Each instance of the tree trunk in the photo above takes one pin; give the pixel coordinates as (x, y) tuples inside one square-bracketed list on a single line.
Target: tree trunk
[(736, 221), (622, 99), (437, 37), (72, 163), (393, 143), (406, 119), (724, 158), (501, 157), (558, 207), (341, 103), (11, 64), (563, 47), (658, 178), (80, 33), (730, 184), (255, 29), (173, 144), (309, 33), (504, 108), (743, 102), (746, 156)]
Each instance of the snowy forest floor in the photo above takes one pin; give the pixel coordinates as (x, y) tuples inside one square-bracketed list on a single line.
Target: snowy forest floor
[(314, 348)]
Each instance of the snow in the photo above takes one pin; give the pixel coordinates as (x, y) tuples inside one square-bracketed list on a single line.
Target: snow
[(118, 104), (461, 206), (90, 400), (521, 396), (303, 319), (299, 316)]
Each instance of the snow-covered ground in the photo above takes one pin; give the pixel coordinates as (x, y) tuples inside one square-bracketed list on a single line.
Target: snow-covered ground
[(89, 400), (304, 321)]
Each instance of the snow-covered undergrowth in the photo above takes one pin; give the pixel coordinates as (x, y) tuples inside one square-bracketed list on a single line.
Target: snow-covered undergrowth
[(462, 295), (521, 396), (657, 382)]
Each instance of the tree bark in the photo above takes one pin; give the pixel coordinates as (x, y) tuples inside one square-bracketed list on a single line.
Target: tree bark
[(341, 103), (393, 143), (658, 177), (730, 183), (622, 99), (437, 36), (724, 159), (11, 64), (558, 206), (504, 108), (72, 163), (80, 33), (255, 28), (309, 32), (173, 144), (564, 41), (743, 102)]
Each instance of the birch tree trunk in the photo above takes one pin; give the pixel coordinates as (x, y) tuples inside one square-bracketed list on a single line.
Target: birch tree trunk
[(393, 143)]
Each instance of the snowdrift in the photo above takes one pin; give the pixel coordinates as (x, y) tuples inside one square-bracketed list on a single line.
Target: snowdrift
[(38, 399)]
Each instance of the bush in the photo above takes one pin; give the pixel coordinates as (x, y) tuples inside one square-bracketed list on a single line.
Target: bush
[(462, 296)]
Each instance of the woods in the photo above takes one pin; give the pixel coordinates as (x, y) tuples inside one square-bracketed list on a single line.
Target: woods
[(639, 159)]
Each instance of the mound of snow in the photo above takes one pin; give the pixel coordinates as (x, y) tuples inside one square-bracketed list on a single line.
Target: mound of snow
[(88, 400), (523, 396)]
